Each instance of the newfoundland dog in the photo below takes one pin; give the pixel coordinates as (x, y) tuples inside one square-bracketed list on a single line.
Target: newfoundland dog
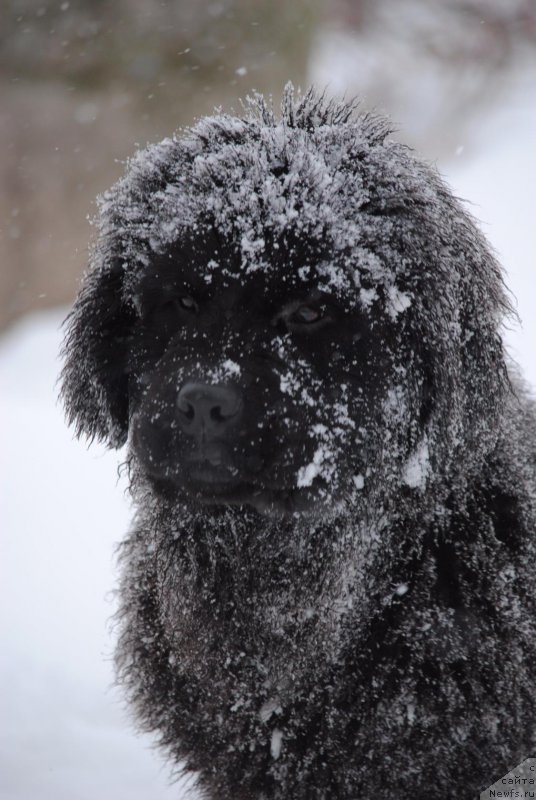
[(329, 589)]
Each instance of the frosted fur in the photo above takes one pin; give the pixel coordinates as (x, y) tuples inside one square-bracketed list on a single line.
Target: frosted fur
[(375, 637)]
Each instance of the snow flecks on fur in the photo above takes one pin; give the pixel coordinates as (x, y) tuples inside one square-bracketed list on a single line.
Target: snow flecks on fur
[(276, 743), (307, 474), (359, 481), (417, 467), (398, 301), (228, 370)]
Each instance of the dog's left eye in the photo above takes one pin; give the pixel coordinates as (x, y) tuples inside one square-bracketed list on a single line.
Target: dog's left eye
[(306, 315), (169, 310), (185, 302)]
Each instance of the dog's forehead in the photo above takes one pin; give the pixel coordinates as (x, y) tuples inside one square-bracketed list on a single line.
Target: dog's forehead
[(210, 263)]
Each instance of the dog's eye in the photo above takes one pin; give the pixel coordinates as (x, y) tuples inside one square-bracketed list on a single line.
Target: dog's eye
[(306, 315), (188, 303), (169, 310)]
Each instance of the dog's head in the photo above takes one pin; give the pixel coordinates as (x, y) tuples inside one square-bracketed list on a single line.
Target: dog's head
[(286, 313)]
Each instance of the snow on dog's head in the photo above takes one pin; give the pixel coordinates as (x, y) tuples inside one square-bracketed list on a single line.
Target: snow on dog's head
[(355, 299)]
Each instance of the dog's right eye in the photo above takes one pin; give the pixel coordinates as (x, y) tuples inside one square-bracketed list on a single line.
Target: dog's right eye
[(188, 303)]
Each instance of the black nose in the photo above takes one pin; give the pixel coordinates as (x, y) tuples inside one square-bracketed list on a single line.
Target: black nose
[(206, 410)]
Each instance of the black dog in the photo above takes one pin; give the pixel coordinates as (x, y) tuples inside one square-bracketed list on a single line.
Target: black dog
[(329, 590)]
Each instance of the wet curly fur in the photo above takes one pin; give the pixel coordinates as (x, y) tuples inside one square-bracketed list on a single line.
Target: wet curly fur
[(329, 587)]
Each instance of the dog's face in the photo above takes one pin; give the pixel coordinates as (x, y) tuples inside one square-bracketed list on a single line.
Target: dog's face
[(261, 387), (291, 315)]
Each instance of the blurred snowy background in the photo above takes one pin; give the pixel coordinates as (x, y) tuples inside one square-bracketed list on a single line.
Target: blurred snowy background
[(83, 82)]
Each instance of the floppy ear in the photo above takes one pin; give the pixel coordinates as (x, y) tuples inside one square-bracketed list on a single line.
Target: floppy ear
[(95, 375)]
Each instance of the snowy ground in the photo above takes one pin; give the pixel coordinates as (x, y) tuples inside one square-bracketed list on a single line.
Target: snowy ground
[(64, 733)]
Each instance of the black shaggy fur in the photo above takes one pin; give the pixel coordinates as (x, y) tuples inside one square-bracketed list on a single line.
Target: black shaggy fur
[(329, 589)]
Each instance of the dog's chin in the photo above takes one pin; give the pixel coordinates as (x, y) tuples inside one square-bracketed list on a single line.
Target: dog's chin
[(223, 488)]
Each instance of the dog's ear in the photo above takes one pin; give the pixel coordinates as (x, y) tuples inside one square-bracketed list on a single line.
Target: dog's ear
[(94, 379)]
